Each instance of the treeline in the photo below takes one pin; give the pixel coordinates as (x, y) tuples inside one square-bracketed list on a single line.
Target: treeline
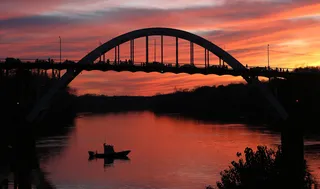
[(234, 102)]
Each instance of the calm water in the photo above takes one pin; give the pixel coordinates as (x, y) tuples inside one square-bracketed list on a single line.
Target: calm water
[(166, 152)]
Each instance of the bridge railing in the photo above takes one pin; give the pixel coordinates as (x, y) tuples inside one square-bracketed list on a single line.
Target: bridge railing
[(159, 64)]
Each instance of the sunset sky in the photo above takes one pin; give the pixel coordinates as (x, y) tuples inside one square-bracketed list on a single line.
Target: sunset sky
[(31, 29)]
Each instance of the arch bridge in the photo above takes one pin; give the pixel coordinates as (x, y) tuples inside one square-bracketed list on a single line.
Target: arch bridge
[(99, 53)]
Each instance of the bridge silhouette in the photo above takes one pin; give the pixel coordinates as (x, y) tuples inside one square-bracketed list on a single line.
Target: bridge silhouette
[(227, 65), (291, 141)]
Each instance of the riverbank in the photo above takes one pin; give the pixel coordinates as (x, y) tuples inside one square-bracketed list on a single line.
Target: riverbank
[(237, 103)]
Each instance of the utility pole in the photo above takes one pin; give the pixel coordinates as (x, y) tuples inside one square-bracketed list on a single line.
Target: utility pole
[(60, 49), (155, 50)]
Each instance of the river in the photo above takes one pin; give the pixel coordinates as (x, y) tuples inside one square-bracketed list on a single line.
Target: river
[(166, 152)]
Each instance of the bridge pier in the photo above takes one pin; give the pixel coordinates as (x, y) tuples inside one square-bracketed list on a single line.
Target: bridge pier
[(293, 155), (292, 132)]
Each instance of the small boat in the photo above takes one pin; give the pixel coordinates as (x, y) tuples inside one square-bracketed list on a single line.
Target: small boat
[(115, 155), (109, 153)]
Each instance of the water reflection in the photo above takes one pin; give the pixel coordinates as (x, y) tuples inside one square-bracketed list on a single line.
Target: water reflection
[(28, 150), (108, 161), (166, 152)]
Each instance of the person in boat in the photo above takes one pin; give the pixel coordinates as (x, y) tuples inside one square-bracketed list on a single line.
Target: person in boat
[(108, 148)]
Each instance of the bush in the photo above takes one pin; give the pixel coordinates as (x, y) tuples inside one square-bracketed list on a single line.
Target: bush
[(260, 169)]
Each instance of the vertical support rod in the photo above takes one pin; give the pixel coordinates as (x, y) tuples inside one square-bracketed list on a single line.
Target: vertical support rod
[(177, 52), (119, 54), (191, 54), (155, 51), (208, 58), (161, 49), (133, 51), (115, 54), (100, 57), (205, 58), (104, 57), (147, 49)]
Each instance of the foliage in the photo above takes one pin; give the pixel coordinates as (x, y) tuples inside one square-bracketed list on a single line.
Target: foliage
[(260, 169), (307, 69)]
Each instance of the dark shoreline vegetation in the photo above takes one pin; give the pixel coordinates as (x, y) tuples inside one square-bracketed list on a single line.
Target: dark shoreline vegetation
[(20, 89), (236, 103)]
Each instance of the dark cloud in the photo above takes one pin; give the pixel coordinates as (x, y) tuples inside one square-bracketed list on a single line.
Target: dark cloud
[(35, 21)]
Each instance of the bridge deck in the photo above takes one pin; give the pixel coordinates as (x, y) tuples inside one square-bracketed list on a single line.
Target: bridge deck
[(164, 68)]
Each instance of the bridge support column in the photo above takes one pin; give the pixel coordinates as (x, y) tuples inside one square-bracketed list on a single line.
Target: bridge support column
[(24, 158), (177, 52), (147, 49), (292, 138), (293, 154)]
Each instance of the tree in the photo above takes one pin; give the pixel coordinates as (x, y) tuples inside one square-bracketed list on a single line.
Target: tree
[(260, 169)]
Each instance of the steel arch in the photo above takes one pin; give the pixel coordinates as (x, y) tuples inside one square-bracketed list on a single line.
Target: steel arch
[(44, 102)]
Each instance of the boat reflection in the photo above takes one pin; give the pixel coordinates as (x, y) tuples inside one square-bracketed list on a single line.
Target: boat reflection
[(107, 162)]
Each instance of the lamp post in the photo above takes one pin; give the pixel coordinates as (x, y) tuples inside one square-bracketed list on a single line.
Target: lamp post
[(268, 58)]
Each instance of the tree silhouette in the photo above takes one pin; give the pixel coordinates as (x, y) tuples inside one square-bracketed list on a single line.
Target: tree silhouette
[(258, 169)]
